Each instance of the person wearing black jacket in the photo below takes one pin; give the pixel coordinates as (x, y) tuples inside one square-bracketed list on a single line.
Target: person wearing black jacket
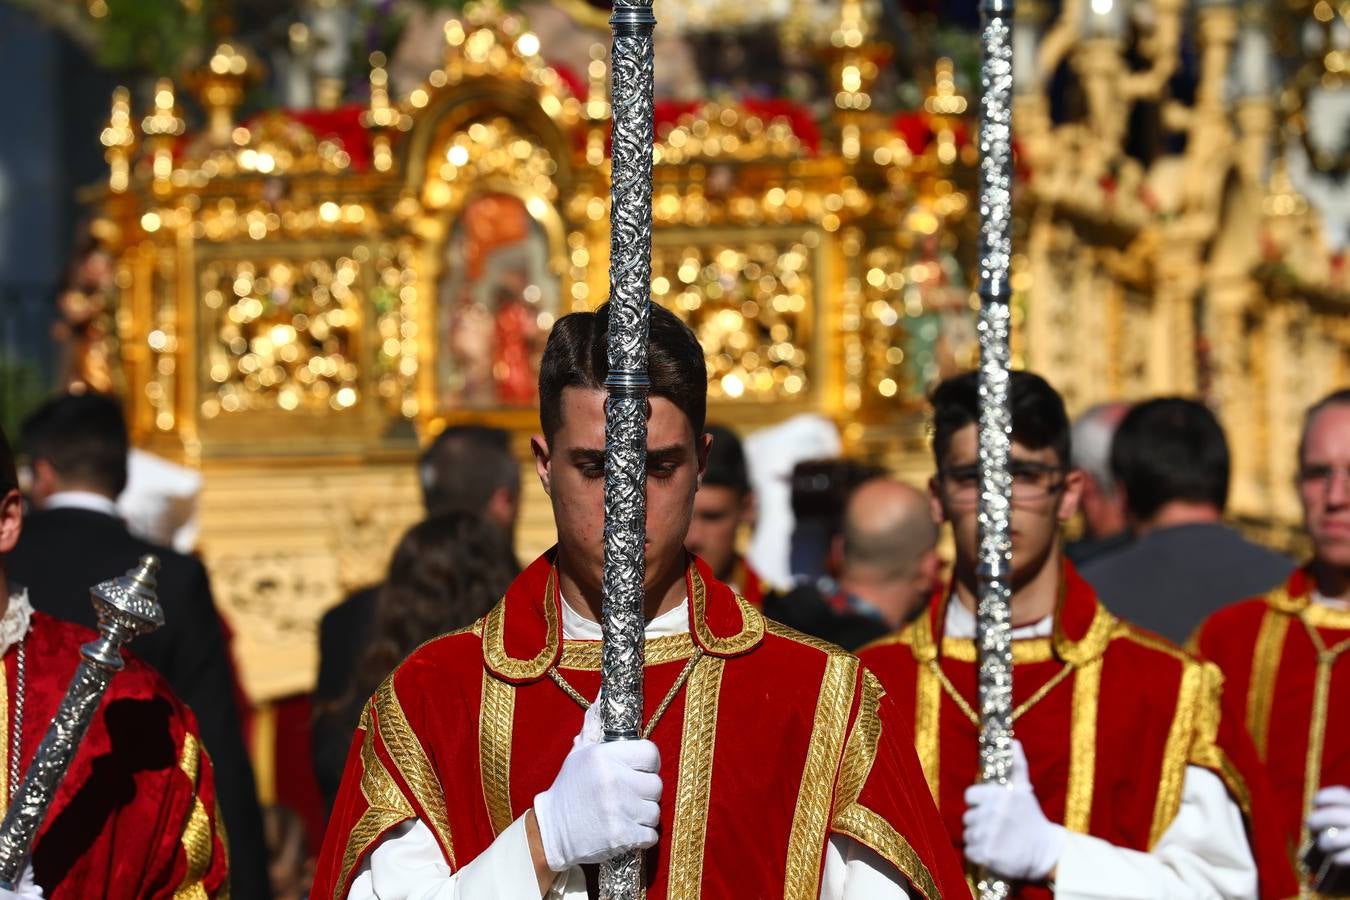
[(77, 450), (887, 568)]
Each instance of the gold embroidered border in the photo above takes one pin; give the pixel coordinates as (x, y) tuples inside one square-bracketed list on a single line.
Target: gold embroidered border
[(752, 622), (778, 629), (866, 827), (196, 836), (927, 722), (1265, 667), (5, 786), (496, 717), (1028, 651), (1087, 682), (1177, 751), (406, 751), (585, 655), (1093, 644), (694, 782), (861, 750), (1317, 736), (385, 807), (811, 819), (494, 639)]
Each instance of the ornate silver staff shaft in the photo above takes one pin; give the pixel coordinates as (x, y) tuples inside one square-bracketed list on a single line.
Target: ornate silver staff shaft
[(630, 275), (995, 562), (126, 607)]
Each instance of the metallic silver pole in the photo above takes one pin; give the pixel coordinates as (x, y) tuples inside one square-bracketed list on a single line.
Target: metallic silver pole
[(630, 275), (995, 563), (126, 607)]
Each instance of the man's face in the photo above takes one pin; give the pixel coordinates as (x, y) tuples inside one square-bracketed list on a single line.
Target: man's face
[(719, 512), (1044, 498), (1324, 485), (572, 468)]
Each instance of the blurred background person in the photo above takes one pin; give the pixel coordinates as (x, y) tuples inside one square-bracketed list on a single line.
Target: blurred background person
[(772, 455), (888, 567), (820, 492), (723, 506), (1102, 507), (77, 450), (446, 572), (1170, 458), (467, 467)]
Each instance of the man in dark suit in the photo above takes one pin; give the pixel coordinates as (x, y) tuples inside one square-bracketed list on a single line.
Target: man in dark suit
[(1170, 458), (77, 451), (888, 568), (467, 467)]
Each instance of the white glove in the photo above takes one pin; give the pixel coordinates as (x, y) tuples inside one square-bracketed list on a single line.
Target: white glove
[(605, 801), (26, 889), (1006, 832), (1330, 822)]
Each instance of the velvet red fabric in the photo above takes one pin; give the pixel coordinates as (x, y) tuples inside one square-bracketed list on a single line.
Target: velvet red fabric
[(135, 815), (1137, 700), (763, 737), (1268, 657)]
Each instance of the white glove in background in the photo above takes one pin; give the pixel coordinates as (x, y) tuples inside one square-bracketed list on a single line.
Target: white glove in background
[(1330, 822), (1005, 830), (26, 889), (604, 802)]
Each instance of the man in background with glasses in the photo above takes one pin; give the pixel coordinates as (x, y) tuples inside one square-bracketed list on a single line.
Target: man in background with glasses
[(1170, 458), (1282, 654), (1125, 774)]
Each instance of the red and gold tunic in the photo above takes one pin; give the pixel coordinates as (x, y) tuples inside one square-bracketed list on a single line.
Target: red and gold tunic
[(1283, 657), (747, 583), (1110, 717), (774, 743), (135, 816)]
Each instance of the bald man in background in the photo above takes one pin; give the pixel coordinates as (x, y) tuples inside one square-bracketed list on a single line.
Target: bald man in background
[(887, 567)]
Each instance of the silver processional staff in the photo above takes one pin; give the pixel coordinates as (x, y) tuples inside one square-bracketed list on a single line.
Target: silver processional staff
[(126, 607)]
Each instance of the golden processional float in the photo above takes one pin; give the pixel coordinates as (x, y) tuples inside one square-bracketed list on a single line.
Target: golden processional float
[(304, 298)]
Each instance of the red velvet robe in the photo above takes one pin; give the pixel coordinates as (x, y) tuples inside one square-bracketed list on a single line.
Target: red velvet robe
[(775, 742), (135, 817), (748, 584), (1268, 656), (1108, 742)]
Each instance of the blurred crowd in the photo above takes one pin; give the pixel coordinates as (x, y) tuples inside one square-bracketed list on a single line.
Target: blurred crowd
[(835, 547)]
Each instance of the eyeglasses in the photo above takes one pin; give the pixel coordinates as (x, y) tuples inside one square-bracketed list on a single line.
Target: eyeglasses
[(1321, 475), (1031, 482)]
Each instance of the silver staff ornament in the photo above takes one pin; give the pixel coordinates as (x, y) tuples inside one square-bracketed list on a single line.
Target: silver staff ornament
[(994, 628), (630, 275), (126, 607)]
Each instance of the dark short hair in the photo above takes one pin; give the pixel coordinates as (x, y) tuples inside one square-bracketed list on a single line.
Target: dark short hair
[(464, 466), (1340, 397), (1167, 449), (1038, 416), (83, 437), (726, 461), (9, 474), (577, 356)]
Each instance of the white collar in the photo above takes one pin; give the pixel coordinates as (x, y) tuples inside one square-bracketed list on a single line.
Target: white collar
[(1330, 602), (82, 500), (576, 627), (961, 624), (16, 620)]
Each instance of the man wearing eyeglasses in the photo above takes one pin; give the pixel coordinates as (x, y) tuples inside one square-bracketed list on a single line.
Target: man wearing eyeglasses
[(1127, 780), (1283, 654)]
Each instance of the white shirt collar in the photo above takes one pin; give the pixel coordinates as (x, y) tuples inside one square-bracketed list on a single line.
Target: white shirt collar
[(18, 616), (82, 500), (576, 627), (1330, 602), (961, 624)]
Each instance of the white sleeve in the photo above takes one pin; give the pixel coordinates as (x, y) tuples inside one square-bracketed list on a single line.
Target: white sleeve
[(854, 871), (1203, 854), (407, 865)]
